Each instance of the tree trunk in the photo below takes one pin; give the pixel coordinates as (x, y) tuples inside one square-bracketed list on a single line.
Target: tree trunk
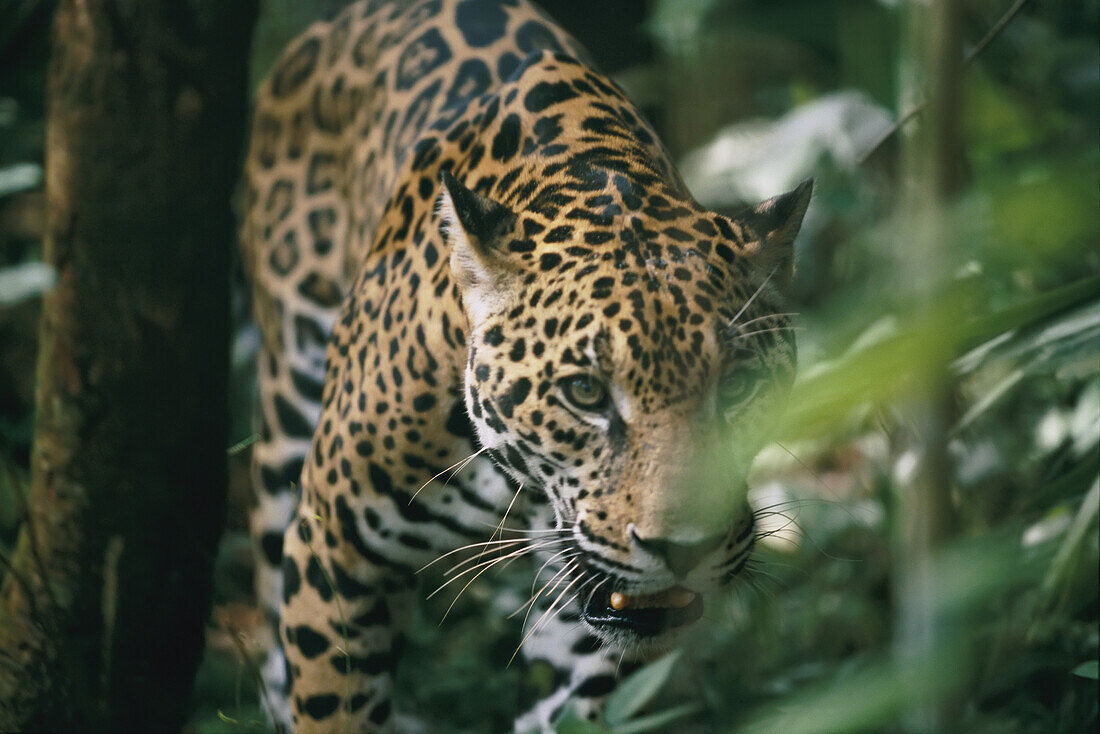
[(934, 169), (102, 613)]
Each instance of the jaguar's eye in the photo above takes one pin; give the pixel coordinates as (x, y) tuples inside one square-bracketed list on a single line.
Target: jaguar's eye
[(738, 386), (584, 392)]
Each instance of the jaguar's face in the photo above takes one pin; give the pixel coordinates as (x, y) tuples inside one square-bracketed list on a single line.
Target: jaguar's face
[(634, 391)]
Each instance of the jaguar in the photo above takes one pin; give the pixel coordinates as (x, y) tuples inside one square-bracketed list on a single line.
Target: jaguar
[(494, 324)]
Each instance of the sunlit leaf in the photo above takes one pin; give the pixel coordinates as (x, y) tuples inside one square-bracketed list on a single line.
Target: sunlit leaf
[(1073, 569), (571, 723), (19, 177), (1088, 669), (22, 282), (637, 689), (991, 398), (1075, 482), (653, 722)]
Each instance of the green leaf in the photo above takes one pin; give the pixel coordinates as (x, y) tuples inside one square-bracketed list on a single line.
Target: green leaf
[(20, 177), (570, 723), (1073, 563), (1087, 669), (24, 282), (991, 398), (1075, 481), (636, 690), (655, 721), (1036, 309)]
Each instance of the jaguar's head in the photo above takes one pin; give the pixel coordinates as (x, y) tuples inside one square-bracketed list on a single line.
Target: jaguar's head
[(630, 361)]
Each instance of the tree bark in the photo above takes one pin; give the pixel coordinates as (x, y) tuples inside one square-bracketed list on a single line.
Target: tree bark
[(102, 612)]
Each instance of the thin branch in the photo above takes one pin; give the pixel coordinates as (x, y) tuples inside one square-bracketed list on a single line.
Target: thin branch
[(19, 578), (995, 31), (973, 54), (29, 528), (237, 638)]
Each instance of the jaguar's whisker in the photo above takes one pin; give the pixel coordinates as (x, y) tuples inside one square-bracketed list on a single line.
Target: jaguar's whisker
[(487, 565), (530, 603), (755, 583), (771, 507), (500, 528), (531, 600), (550, 614), (460, 464), (760, 572), (547, 614), (530, 531), (585, 579), (456, 574), (769, 330), (475, 561), (788, 314), (596, 588), (469, 546), (619, 664), (547, 562), (733, 322)]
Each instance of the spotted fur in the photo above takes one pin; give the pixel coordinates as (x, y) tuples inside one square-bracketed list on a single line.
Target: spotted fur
[(450, 219)]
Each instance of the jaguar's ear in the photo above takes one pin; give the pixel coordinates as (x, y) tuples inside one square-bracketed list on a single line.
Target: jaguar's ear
[(478, 230), (768, 230)]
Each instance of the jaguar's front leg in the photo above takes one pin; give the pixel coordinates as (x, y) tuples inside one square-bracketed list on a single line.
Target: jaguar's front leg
[(341, 622)]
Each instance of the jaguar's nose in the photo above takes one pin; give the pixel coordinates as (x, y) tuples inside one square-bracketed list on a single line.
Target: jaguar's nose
[(680, 558)]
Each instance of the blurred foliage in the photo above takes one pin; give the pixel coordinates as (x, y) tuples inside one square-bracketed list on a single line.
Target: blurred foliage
[(811, 639)]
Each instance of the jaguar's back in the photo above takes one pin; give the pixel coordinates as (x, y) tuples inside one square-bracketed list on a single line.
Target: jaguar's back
[(463, 242), (334, 123), (337, 120)]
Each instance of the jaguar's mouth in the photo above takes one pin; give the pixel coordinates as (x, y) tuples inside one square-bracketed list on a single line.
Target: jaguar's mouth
[(644, 615)]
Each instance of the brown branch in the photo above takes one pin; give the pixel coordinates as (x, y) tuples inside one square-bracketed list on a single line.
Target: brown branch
[(28, 589), (237, 637), (992, 33), (32, 535)]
